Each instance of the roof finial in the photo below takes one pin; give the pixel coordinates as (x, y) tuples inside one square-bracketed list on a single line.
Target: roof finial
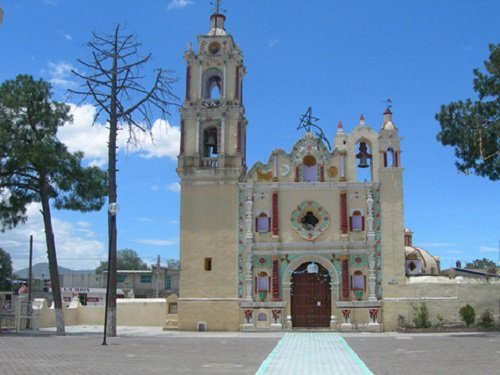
[(217, 9), (388, 106)]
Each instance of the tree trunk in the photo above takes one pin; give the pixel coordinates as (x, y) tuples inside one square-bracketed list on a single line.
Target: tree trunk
[(112, 231), (51, 254)]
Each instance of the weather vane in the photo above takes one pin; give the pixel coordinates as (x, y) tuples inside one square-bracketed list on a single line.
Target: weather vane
[(308, 121), (216, 4), (388, 104)]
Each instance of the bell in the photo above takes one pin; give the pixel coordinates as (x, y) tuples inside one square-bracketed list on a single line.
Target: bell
[(363, 161), (363, 156), (211, 144), (211, 141)]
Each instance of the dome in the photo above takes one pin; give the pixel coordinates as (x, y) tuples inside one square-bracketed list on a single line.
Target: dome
[(420, 262)]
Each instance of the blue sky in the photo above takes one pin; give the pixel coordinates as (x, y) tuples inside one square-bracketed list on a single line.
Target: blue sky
[(343, 58)]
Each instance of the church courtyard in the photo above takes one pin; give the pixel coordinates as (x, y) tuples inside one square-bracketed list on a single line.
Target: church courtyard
[(153, 351)]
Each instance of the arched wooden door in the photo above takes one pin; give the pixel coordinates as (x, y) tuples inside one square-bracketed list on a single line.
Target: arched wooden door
[(310, 297)]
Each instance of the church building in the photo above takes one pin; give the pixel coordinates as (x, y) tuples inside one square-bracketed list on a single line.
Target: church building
[(312, 237)]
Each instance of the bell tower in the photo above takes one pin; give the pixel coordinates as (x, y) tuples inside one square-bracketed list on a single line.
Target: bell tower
[(213, 125), (211, 164)]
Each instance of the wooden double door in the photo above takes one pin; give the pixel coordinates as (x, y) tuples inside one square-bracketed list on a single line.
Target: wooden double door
[(310, 296)]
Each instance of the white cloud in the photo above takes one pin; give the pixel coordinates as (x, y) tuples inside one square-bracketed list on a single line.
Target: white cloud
[(66, 36), (437, 244), (273, 42), (92, 140), (179, 4), (160, 243), (75, 245), (81, 135), (163, 141), (488, 249), (175, 187), (60, 74)]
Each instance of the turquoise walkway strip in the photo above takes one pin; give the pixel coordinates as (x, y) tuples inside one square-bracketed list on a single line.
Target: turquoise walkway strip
[(313, 353)]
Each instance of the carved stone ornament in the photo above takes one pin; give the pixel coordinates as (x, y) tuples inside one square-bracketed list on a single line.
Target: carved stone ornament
[(309, 220)]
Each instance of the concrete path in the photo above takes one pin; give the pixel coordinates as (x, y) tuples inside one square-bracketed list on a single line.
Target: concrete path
[(313, 353)]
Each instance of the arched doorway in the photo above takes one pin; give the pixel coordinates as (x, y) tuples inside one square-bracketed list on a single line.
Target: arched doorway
[(310, 296)]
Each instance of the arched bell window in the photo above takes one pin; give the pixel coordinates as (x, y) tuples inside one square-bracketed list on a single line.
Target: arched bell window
[(391, 158), (210, 142), (364, 166), (212, 84)]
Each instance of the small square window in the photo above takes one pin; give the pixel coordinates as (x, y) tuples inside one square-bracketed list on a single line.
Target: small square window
[(208, 264), (145, 279), (120, 278)]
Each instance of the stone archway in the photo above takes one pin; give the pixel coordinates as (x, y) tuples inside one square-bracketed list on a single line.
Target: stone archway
[(310, 296)]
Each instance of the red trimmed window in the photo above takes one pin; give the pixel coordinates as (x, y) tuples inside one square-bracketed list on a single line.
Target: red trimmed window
[(357, 222), (262, 223)]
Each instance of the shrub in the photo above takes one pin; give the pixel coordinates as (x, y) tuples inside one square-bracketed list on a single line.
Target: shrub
[(486, 319), (467, 314), (421, 319)]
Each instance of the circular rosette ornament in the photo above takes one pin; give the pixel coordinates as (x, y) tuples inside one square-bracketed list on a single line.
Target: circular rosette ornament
[(309, 220)]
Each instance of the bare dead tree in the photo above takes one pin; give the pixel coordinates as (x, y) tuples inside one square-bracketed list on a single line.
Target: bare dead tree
[(114, 84)]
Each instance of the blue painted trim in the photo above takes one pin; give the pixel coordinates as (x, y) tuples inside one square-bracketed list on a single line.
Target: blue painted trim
[(267, 362), (365, 370)]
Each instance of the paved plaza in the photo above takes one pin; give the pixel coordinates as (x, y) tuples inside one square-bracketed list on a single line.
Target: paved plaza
[(139, 350)]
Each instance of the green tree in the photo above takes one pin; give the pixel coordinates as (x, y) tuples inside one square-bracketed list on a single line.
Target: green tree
[(36, 167), (126, 259), (5, 270), (473, 127), (481, 264), (114, 84)]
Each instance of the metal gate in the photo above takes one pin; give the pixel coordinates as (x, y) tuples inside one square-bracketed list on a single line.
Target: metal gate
[(310, 297)]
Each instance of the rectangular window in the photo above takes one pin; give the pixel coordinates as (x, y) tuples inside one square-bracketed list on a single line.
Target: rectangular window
[(208, 264), (263, 283), (357, 223), (145, 279), (263, 224), (358, 282), (120, 278), (168, 282), (310, 174)]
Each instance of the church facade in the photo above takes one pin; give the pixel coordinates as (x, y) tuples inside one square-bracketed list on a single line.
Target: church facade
[(312, 237)]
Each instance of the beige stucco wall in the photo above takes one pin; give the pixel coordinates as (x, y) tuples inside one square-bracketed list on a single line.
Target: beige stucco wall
[(130, 312), (209, 214), (442, 296), (217, 314)]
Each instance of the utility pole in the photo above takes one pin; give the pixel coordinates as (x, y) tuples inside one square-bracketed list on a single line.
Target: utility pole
[(157, 276), (30, 268)]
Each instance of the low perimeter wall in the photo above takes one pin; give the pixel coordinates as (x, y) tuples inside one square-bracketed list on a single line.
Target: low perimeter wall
[(129, 312), (443, 298)]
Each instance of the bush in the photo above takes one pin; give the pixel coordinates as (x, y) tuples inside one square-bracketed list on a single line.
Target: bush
[(486, 319), (421, 319), (467, 314)]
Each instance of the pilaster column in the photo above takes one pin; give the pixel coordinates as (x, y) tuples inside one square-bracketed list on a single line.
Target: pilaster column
[(371, 277), (369, 203), (248, 244)]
